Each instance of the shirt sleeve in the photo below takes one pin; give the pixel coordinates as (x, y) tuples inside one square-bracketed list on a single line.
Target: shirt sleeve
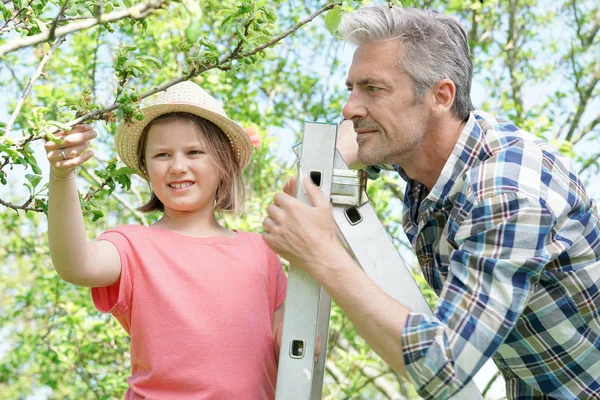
[(502, 246), (116, 299)]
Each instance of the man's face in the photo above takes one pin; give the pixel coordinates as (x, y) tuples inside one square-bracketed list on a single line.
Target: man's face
[(390, 123)]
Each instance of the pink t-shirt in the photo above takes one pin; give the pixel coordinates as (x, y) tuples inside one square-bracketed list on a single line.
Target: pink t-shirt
[(199, 312)]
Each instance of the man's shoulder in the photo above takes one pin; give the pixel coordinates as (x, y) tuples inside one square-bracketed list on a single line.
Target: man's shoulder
[(514, 160)]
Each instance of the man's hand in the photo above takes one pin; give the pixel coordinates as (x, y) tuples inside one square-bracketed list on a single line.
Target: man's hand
[(302, 234)]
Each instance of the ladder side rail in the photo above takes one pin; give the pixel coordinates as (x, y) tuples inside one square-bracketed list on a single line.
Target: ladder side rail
[(295, 371), (324, 315)]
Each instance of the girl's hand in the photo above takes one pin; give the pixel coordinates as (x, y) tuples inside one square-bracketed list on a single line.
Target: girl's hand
[(65, 157)]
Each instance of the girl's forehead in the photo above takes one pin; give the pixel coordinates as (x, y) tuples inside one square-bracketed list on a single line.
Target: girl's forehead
[(175, 131)]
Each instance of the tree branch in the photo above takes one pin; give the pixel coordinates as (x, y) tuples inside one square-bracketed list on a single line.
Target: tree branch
[(590, 39), (5, 27), (382, 384), (585, 96), (14, 75), (135, 12), (293, 28), (589, 127), (512, 49), (97, 114), (34, 77), (141, 218), (24, 206), (52, 31)]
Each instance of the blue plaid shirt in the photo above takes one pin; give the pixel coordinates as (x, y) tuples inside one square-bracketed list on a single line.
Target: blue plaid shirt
[(510, 242)]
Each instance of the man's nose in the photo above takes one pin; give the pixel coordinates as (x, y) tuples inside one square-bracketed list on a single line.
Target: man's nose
[(354, 108)]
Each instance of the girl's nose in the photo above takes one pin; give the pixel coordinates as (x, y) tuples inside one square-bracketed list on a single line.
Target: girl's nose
[(178, 165)]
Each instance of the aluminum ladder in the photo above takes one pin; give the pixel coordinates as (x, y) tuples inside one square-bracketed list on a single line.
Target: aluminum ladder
[(308, 306)]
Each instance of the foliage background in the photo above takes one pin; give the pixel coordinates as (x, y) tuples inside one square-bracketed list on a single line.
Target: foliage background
[(536, 62)]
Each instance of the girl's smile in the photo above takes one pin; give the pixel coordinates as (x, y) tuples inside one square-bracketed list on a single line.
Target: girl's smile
[(184, 177)]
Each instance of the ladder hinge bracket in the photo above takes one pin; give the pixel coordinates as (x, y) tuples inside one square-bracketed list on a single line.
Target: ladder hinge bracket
[(349, 187)]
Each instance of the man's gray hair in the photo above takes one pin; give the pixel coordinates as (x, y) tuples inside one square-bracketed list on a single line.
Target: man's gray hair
[(436, 46)]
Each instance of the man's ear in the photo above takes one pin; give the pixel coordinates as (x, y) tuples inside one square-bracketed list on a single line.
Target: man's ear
[(443, 94)]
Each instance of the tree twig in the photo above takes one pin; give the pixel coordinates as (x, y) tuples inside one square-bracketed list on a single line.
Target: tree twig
[(14, 75), (96, 114), (293, 28), (136, 12), (55, 22), (380, 382), (34, 77), (5, 27), (24, 207), (141, 218)]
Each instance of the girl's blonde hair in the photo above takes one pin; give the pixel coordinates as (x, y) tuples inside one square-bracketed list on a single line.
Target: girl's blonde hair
[(230, 192)]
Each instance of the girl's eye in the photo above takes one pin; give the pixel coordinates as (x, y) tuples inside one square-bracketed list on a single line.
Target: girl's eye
[(161, 155), (196, 152)]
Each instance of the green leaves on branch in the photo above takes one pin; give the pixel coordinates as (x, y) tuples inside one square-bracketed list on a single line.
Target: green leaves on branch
[(192, 32), (128, 64), (40, 127), (82, 105), (251, 26), (246, 12), (111, 177), (333, 19), (32, 183), (11, 155)]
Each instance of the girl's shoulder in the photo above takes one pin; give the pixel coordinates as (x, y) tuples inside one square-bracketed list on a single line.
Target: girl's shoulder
[(130, 229), (257, 242), (252, 237)]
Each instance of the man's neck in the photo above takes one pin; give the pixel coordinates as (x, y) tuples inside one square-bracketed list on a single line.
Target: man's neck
[(435, 150)]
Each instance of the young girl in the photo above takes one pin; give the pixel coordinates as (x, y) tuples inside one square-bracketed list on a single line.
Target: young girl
[(201, 303)]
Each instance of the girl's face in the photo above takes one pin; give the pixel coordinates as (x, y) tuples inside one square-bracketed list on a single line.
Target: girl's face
[(183, 175)]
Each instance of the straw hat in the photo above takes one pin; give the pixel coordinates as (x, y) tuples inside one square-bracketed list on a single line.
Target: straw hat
[(185, 97)]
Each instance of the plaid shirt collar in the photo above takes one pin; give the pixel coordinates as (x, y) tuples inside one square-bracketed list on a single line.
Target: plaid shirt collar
[(465, 154)]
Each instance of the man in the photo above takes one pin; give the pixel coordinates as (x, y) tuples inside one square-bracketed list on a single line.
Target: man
[(501, 225)]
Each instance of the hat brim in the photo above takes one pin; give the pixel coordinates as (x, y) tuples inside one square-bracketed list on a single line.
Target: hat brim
[(128, 134)]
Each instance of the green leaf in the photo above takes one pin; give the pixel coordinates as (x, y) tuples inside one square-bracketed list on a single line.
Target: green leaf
[(59, 125), (123, 171), (333, 19), (41, 24), (33, 179), (193, 30), (153, 60), (97, 214)]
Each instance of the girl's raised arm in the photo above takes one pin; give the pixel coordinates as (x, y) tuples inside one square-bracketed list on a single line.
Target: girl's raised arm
[(83, 263)]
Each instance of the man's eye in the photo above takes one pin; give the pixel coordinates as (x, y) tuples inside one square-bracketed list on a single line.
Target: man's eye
[(372, 89)]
